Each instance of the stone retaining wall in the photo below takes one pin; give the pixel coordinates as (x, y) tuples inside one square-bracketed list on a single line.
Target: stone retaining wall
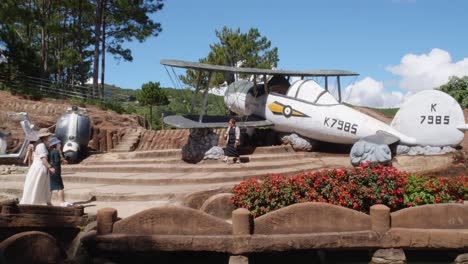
[(170, 139), (297, 227)]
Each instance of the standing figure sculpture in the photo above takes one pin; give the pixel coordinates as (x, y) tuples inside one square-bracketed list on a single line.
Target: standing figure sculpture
[(232, 137), (37, 183)]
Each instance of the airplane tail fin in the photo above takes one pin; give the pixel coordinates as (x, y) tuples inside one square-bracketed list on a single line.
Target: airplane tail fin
[(433, 118)]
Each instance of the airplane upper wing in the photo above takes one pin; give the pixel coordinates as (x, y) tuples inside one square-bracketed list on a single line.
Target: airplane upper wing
[(219, 68), (192, 121)]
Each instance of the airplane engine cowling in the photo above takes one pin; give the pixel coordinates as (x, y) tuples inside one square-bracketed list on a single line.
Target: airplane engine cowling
[(74, 131), (240, 99)]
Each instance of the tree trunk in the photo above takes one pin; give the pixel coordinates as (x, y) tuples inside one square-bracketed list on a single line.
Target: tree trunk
[(97, 37), (80, 44), (150, 117), (103, 49), (44, 37)]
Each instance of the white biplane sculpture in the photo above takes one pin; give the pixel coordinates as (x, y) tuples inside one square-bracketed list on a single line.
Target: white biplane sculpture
[(304, 107)]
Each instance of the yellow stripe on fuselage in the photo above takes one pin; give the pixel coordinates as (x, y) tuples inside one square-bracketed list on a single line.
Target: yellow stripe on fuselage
[(295, 113), (275, 108)]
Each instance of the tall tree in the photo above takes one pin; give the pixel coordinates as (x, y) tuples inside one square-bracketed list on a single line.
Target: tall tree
[(457, 88), (126, 20), (97, 41), (55, 40), (151, 95), (237, 49), (18, 38)]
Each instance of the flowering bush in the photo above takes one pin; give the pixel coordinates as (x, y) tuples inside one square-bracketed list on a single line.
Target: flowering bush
[(430, 190), (356, 188)]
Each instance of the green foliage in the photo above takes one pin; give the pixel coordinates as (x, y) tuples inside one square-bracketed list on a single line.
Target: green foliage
[(388, 112), (126, 20), (180, 102), (458, 89), (54, 40), (356, 188), (114, 93), (431, 190), (251, 49), (151, 95)]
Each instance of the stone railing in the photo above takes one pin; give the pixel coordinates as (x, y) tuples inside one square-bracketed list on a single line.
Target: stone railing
[(15, 218), (37, 233), (297, 227)]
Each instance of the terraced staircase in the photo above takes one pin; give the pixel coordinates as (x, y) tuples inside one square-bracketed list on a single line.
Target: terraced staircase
[(134, 181), (161, 177), (129, 141)]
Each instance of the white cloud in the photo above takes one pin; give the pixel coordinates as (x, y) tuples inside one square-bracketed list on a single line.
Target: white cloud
[(427, 71), (415, 72), (369, 92)]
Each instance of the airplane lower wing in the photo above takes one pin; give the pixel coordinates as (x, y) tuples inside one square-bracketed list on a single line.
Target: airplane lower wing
[(192, 121), (382, 138)]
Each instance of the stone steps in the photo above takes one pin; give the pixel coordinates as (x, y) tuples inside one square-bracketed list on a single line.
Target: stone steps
[(188, 168), (129, 141), (174, 178), (160, 176), (178, 160), (117, 192)]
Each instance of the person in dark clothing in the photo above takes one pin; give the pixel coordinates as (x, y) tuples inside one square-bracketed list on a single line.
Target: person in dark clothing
[(56, 182), (232, 137)]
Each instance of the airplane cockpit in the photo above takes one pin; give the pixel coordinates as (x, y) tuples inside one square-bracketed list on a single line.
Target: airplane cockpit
[(311, 92), (278, 84), (305, 90)]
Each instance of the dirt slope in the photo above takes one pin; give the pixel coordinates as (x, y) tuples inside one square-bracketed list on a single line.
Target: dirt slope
[(374, 114), (45, 112)]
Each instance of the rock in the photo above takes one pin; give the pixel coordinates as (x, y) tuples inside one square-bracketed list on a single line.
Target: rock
[(238, 260), (297, 142), (402, 149), (364, 151), (462, 259), (389, 256), (200, 141), (423, 150), (214, 153)]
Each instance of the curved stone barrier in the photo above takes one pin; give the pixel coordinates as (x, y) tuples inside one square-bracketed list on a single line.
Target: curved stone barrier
[(440, 226), (432, 216), (219, 205), (297, 227), (172, 221), (312, 217), (31, 247)]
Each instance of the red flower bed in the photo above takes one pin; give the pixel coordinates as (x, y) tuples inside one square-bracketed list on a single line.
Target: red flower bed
[(357, 188)]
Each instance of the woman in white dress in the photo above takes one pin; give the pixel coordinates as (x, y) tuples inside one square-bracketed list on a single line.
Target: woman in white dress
[(37, 183)]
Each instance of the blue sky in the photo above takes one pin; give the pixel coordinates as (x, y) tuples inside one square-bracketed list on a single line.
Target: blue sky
[(398, 46)]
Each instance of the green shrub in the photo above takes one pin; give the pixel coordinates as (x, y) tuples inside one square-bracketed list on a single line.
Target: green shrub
[(431, 190), (356, 188)]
